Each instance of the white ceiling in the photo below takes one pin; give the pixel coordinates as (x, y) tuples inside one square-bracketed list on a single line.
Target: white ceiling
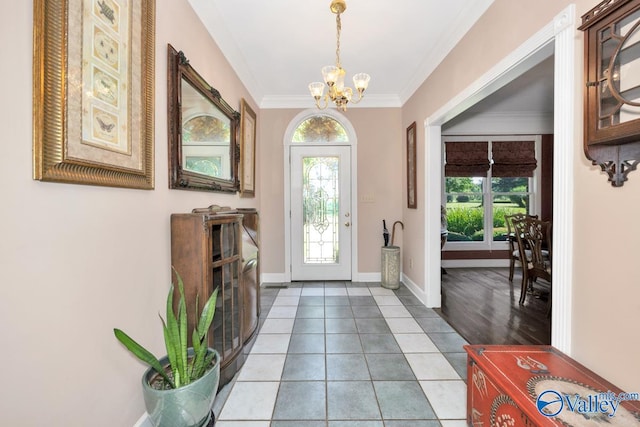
[(278, 47), (530, 94)]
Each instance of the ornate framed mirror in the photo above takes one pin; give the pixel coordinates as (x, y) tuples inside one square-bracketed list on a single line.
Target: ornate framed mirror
[(203, 131)]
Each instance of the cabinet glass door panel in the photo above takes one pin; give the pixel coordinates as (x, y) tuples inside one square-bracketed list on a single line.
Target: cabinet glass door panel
[(619, 72), (229, 232), (216, 243), (226, 336), (218, 319), (235, 286), (228, 307)]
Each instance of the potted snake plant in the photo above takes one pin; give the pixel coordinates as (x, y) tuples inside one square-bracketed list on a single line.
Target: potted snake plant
[(179, 389)]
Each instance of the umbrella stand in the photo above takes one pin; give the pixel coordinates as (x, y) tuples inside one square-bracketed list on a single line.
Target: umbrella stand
[(390, 259)]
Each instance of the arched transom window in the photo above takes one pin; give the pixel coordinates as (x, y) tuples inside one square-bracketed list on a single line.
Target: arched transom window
[(324, 129)]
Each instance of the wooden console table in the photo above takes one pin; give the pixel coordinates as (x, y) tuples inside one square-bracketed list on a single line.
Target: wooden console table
[(514, 385)]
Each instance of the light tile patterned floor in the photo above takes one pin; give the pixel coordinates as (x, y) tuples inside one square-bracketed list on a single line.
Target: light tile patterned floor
[(339, 354)]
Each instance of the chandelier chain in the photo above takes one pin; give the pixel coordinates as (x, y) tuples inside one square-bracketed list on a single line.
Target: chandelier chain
[(339, 28)]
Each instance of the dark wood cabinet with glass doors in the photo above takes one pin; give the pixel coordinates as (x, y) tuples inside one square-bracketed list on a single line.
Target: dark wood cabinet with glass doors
[(206, 250)]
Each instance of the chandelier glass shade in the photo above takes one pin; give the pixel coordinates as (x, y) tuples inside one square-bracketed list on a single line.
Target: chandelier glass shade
[(334, 75)]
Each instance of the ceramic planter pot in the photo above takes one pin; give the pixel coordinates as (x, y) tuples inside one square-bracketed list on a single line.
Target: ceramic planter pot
[(188, 406)]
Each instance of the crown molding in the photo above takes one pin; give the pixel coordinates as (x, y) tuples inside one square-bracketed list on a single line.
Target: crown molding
[(445, 44), (296, 101), (217, 28)]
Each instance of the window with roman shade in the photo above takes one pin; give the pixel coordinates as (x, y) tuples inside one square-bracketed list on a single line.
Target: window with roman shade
[(486, 178)]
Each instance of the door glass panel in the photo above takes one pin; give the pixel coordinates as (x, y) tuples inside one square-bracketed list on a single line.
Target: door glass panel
[(321, 207)]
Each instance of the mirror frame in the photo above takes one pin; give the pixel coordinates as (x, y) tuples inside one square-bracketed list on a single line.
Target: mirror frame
[(178, 69)]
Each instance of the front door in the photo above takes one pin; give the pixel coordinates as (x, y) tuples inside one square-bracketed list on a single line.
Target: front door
[(321, 213)]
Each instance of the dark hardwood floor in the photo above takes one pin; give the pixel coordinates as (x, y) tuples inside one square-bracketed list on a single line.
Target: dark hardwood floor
[(482, 306)]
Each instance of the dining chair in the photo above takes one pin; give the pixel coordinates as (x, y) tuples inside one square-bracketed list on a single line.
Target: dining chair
[(514, 251), (534, 243)]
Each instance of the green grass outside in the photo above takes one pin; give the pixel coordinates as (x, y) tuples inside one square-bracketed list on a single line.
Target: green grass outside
[(466, 220)]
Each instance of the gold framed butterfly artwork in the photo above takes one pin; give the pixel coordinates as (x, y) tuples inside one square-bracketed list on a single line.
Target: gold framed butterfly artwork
[(93, 80)]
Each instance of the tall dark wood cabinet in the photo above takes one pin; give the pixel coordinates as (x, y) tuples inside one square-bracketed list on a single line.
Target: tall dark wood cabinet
[(212, 249)]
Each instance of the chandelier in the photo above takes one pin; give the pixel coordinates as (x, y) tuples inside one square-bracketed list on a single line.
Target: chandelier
[(334, 74)]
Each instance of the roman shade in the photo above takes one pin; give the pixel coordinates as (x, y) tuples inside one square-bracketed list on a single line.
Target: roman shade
[(513, 158), (466, 159)]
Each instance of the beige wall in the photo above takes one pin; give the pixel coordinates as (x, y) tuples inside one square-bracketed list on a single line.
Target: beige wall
[(380, 164), (79, 260), (606, 298)]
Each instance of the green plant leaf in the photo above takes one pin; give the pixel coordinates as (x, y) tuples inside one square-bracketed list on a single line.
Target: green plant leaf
[(142, 353), (196, 349), (182, 330), (172, 341), (195, 341), (171, 353), (209, 310), (199, 362), (199, 338), (203, 362)]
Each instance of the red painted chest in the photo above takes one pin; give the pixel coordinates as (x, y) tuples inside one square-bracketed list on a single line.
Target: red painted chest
[(541, 386)]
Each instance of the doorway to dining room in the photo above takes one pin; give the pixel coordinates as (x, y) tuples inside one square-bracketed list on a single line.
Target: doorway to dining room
[(478, 289), (557, 38)]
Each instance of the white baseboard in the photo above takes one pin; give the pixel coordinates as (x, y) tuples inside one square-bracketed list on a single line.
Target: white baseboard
[(415, 289), (272, 278), (281, 277), (368, 277), (474, 263)]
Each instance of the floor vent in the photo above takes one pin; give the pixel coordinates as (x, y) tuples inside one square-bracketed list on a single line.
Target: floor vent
[(276, 286)]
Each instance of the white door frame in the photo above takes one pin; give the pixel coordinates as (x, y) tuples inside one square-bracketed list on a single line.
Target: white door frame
[(353, 142), (557, 38)]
